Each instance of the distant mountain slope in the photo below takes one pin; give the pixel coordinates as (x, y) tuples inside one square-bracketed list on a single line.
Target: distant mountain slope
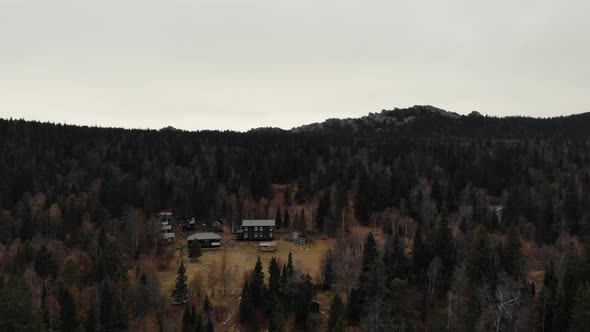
[(428, 121)]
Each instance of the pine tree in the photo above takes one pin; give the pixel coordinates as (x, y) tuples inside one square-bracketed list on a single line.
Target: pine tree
[(322, 211), (245, 302), (290, 268), (199, 323), (277, 318), (371, 279), (362, 206), (90, 323), (180, 291), (194, 250), (284, 278), (581, 309), (257, 285), (193, 316), (328, 271), (286, 219), (210, 325), (354, 306), (511, 253), (207, 306), (302, 225), (444, 244), (302, 301), (394, 259), (67, 310), (479, 264), (274, 280), (370, 253), (278, 219), (336, 313), (186, 320), (421, 254)]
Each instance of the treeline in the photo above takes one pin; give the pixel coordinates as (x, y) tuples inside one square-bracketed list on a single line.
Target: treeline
[(77, 207)]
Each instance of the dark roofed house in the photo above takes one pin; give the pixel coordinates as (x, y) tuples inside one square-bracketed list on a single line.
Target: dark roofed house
[(206, 240), (257, 230)]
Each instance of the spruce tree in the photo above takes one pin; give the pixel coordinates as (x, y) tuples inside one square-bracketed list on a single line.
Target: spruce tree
[(336, 313), (278, 219), (194, 250), (302, 225), (210, 325), (328, 271), (207, 306), (274, 280), (277, 318), (186, 320), (245, 302), (67, 310), (290, 268), (284, 278), (394, 259), (257, 285), (370, 253), (581, 308), (421, 254), (193, 316), (286, 219), (322, 211), (479, 264), (512, 254), (444, 244), (90, 323), (180, 291)]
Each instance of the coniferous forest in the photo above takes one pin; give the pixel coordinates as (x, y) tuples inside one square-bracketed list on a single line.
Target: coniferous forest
[(436, 222)]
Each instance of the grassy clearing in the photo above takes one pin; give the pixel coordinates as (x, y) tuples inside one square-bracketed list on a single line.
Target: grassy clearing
[(241, 257)]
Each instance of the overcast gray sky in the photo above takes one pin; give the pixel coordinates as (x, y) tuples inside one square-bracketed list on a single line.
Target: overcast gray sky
[(237, 64)]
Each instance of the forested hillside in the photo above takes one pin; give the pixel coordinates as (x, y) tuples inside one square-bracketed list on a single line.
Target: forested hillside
[(463, 206)]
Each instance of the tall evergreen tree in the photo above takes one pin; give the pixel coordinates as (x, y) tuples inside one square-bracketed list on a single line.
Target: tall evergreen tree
[(581, 309), (328, 271), (322, 211), (479, 265), (210, 325), (421, 254), (245, 302), (186, 320), (257, 284), (301, 222), (207, 306), (286, 219), (180, 291), (394, 259), (278, 218), (67, 311), (290, 267), (511, 253), (274, 280), (194, 250), (336, 313)]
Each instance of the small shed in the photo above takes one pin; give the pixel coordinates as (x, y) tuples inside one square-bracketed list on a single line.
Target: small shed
[(267, 246), (206, 240)]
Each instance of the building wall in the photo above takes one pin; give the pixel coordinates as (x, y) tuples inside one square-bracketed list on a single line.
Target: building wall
[(257, 233)]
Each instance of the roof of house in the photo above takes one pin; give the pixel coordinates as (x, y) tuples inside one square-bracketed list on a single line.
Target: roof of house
[(258, 222), (204, 236)]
